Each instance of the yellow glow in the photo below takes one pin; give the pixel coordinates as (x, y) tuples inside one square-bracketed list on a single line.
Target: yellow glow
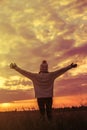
[(2, 80), (3, 64), (5, 105), (15, 77), (65, 2), (31, 10)]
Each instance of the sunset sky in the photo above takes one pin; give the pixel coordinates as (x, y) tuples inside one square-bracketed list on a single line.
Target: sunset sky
[(31, 31)]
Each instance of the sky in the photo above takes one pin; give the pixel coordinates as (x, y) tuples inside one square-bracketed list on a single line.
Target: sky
[(31, 31)]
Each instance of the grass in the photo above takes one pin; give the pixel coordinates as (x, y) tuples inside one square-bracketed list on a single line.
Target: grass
[(63, 119)]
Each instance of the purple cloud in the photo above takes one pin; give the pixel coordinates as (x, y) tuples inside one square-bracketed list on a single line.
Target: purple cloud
[(80, 50), (14, 95), (71, 86)]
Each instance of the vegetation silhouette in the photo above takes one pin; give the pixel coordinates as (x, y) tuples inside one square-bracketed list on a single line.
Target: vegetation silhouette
[(63, 119)]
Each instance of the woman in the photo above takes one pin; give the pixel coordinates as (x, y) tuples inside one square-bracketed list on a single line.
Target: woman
[(43, 85)]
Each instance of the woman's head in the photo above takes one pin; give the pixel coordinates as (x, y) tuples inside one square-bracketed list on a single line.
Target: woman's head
[(44, 67)]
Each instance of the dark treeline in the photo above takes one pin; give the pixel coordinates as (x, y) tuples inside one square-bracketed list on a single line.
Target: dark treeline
[(73, 108)]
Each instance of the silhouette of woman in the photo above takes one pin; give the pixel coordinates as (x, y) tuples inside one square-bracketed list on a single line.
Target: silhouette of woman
[(43, 85)]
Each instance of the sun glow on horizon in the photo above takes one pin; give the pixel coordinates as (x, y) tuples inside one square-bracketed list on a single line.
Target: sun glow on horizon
[(58, 102), (5, 104)]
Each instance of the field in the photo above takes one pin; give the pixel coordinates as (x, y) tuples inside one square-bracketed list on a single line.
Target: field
[(63, 119)]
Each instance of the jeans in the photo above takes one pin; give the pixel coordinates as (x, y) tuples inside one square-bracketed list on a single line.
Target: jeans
[(45, 104)]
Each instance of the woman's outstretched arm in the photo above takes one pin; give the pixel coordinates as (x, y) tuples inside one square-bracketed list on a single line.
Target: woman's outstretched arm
[(21, 71), (63, 70)]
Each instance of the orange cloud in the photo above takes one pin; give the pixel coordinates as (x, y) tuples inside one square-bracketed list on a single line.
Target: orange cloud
[(32, 31)]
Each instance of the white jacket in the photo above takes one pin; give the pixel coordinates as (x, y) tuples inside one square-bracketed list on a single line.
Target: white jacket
[(43, 82)]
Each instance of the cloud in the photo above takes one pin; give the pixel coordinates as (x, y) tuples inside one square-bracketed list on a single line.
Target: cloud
[(33, 31), (81, 5), (76, 85), (14, 95), (74, 54), (8, 29), (64, 44), (18, 83), (26, 33), (80, 50)]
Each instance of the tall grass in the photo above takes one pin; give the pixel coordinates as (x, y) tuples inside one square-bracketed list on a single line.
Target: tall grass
[(63, 119)]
